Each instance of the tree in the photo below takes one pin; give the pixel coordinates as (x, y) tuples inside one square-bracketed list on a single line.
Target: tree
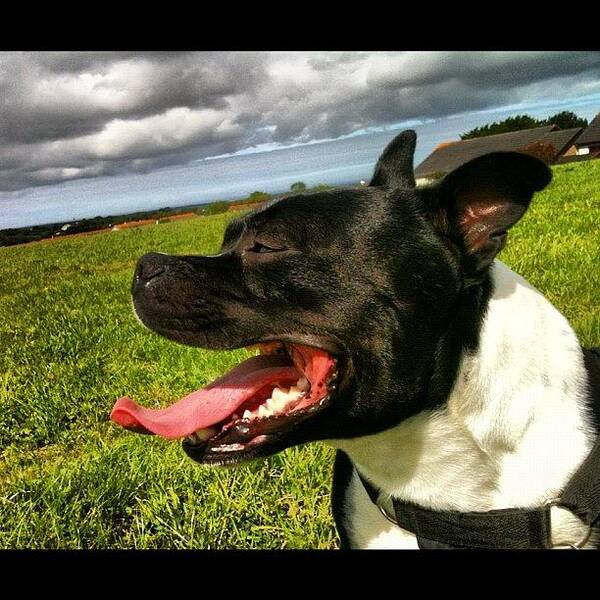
[(563, 120), (257, 197), (510, 124), (214, 208), (566, 120), (299, 186)]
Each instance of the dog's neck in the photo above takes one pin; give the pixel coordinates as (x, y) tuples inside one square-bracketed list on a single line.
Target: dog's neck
[(515, 426)]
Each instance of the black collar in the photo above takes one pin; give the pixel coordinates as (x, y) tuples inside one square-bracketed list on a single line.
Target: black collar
[(511, 528)]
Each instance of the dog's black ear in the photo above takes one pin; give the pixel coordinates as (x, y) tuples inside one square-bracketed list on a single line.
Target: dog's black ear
[(476, 204), (394, 169)]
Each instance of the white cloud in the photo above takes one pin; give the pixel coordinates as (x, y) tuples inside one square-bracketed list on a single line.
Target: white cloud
[(171, 130)]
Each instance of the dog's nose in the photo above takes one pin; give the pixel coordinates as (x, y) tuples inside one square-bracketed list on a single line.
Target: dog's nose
[(150, 266)]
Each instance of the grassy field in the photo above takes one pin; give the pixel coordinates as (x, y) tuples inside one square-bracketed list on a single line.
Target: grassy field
[(69, 346)]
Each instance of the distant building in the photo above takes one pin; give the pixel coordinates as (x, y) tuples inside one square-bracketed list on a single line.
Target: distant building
[(448, 156), (588, 143), (130, 224), (179, 217)]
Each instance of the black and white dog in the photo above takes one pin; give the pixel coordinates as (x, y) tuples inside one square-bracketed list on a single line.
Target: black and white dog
[(389, 330)]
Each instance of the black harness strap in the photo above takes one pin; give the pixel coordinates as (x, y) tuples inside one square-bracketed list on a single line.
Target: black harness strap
[(582, 494), (511, 528)]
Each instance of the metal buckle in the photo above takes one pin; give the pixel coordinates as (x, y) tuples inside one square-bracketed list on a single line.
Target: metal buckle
[(386, 515), (577, 545)]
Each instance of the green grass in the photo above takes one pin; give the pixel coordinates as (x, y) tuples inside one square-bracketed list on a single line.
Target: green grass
[(69, 346)]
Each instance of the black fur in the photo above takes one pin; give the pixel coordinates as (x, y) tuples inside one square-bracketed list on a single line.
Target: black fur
[(390, 278), (591, 357), (342, 474)]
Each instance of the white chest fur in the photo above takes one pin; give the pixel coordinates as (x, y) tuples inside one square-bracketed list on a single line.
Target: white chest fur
[(513, 431)]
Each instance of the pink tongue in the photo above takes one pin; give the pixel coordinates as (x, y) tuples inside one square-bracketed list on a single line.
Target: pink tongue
[(209, 405)]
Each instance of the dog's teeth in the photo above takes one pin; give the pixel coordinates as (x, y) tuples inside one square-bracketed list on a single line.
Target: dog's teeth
[(294, 393), (204, 434), (279, 405), (228, 448), (247, 414), (278, 400), (279, 394), (263, 411)]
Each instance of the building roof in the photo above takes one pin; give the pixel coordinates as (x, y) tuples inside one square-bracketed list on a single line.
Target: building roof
[(562, 139), (591, 134), (447, 157)]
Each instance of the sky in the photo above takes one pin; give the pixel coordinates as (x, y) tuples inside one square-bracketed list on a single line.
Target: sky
[(86, 117)]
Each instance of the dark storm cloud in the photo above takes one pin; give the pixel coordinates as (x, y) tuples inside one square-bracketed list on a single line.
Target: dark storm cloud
[(52, 97), (408, 86), (74, 62), (77, 115), (493, 69)]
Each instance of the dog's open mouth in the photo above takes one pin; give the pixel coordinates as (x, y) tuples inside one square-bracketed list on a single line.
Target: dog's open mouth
[(253, 404)]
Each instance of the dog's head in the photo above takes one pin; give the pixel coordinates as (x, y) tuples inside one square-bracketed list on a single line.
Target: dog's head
[(363, 300)]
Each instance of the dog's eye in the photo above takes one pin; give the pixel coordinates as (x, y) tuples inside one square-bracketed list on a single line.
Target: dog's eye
[(263, 248)]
